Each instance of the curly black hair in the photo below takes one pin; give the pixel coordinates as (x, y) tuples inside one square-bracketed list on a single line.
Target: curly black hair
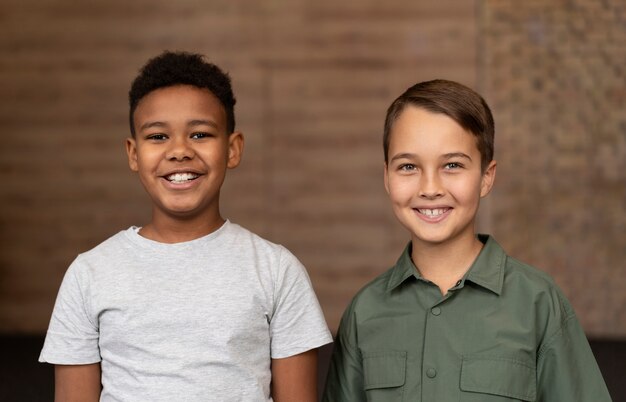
[(183, 68)]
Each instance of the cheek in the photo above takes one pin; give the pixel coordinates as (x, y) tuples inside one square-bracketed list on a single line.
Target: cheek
[(216, 155), (146, 162), (466, 190), (401, 189)]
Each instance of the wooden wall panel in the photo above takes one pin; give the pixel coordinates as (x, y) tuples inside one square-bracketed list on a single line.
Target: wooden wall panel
[(554, 73), (313, 81)]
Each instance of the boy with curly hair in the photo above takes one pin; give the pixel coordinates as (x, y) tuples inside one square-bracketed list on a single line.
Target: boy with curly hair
[(189, 306)]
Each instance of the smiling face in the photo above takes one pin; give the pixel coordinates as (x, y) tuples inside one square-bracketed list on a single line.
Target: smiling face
[(181, 151), (434, 177)]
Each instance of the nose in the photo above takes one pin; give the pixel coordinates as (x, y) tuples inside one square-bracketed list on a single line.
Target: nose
[(179, 149), (430, 186)]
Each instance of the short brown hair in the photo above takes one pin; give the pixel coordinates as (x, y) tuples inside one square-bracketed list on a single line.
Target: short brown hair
[(460, 103)]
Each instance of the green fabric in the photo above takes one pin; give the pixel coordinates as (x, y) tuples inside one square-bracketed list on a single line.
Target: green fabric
[(505, 332)]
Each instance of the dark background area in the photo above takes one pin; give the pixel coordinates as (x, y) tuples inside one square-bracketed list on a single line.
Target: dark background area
[(23, 379)]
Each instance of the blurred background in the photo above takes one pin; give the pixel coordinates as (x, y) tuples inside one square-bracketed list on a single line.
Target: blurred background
[(313, 80)]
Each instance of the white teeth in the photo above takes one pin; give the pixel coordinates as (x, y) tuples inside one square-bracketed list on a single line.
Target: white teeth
[(181, 177), (432, 213)]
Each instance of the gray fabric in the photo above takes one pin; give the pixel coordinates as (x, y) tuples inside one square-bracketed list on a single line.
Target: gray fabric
[(192, 321)]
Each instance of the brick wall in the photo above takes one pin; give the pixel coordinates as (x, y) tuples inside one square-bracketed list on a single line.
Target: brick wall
[(555, 74), (313, 80)]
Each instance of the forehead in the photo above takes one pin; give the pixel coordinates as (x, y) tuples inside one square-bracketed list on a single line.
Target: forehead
[(180, 102), (425, 133)]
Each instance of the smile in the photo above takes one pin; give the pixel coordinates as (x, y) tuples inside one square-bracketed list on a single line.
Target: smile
[(178, 178), (432, 213)]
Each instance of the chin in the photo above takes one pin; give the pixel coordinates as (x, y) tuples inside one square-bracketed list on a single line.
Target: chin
[(434, 237), (180, 212), (431, 240)]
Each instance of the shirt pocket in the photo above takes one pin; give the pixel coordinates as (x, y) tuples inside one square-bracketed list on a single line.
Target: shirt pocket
[(384, 375), (493, 379)]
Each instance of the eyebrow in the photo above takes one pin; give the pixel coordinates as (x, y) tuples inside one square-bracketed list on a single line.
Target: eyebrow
[(194, 123), (407, 155), (457, 155), (191, 123), (151, 124)]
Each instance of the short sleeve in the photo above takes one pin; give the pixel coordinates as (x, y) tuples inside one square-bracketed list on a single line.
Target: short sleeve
[(72, 336), (344, 382), (297, 323), (567, 369)]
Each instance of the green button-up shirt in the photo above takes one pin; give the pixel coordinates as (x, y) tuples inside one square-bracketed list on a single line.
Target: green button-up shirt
[(505, 332)]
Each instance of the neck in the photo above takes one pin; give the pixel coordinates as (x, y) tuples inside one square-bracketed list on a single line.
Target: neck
[(445, 263), (171, 229)]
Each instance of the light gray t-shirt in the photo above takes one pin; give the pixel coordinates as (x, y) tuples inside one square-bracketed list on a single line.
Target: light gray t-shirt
[(192, 321)]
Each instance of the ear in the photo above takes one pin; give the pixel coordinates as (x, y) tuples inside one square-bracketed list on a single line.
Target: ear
[(489, 176), (235, 149), (386, 178), (131, 151)]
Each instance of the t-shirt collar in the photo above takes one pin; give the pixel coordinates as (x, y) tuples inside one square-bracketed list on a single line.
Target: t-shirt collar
[(486, 271)]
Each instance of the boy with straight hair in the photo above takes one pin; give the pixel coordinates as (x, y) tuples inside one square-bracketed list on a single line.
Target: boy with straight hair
[(455, 319), (189, 307)]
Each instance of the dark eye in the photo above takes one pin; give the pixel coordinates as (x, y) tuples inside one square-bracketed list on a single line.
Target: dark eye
[(200, 135), (156, 137), (407, 167)]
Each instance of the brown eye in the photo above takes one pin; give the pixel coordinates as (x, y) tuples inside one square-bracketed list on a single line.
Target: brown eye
[(156, 137), (200, 135)]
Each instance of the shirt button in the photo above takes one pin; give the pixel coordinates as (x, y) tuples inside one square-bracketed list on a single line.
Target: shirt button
[(431, 373), (436, 311)]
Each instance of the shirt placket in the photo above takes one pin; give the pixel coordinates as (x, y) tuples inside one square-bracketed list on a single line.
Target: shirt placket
[(433, 369)]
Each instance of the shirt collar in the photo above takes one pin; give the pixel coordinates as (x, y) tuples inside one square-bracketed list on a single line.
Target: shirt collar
[(486, 271), (488, 268), (403, 269)]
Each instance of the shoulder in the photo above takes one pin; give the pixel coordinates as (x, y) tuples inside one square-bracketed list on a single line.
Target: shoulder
[(107, 251), (237, 234), (254, 246), (529, 278), (371, 296), (518, 278), (270, 260), (524, 275), (526, 284), (117, 241), (369, 303), (89, 268)]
